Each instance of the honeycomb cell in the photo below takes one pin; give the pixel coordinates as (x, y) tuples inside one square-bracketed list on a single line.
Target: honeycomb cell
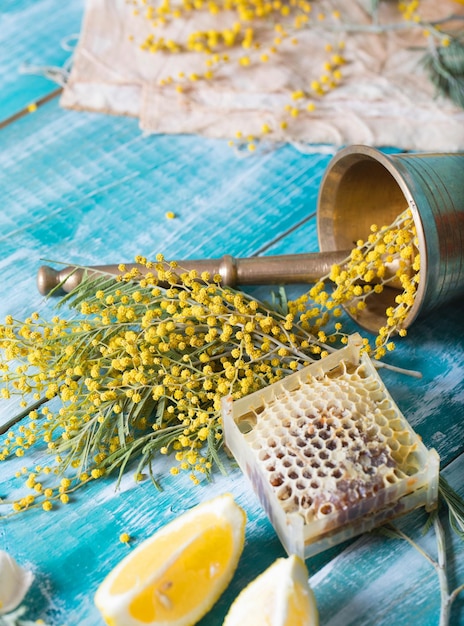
[(306, 501), (276, 479), (333, 444), (284, 492), (404, 438)]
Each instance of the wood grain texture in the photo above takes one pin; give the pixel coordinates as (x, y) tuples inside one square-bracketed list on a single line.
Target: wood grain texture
[(91, 189), (34, 34)]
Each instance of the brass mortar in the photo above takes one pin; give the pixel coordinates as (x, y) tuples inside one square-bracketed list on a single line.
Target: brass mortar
[(363, 186)]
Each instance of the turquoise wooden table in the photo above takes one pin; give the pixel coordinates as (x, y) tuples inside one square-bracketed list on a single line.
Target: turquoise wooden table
[(91, 189)]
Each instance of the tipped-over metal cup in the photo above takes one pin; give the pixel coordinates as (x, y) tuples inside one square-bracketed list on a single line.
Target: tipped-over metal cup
[(363, 186)]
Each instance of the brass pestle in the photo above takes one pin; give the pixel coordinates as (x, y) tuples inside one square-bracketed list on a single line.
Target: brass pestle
[(265, 270)]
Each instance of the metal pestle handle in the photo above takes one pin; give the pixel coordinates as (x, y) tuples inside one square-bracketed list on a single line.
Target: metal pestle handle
[(263, 270)]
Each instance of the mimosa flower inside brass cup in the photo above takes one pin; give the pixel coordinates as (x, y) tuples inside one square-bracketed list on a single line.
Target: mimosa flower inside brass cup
[(363, 186)]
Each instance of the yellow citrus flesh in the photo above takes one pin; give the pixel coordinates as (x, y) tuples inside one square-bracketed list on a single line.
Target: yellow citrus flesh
[(170, 595), (280, 596), (174, 577)]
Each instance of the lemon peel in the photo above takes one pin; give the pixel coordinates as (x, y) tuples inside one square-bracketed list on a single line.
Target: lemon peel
[(280, 596), (174, 577)]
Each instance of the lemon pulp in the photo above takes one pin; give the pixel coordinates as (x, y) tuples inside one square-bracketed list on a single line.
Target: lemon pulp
[(298, 607), (280, 596), (170, 595)]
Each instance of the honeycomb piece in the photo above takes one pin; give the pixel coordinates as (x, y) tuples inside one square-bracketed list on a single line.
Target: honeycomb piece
[(331, 443), (328, 453)]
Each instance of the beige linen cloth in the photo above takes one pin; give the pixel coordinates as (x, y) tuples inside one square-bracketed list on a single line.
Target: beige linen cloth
[(383, 99)]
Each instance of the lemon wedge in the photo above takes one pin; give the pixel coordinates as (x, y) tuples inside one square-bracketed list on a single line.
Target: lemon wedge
[(280, 596), (174, 577)]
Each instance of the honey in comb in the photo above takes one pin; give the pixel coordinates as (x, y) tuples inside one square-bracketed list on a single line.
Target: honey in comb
[(331, 443), (328, 452)]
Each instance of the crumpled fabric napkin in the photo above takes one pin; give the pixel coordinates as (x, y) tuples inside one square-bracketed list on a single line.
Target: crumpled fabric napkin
[(384, 97)]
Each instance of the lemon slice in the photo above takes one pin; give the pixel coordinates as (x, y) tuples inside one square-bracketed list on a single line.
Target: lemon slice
[(280, 596), (174, 577)]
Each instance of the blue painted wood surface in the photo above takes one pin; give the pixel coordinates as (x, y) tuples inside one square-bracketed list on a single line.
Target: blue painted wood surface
[(35, 36), (86, 188)]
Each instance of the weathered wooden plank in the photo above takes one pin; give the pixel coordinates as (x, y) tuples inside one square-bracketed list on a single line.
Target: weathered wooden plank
[(91, 158), (90, 189), (33, 33)]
